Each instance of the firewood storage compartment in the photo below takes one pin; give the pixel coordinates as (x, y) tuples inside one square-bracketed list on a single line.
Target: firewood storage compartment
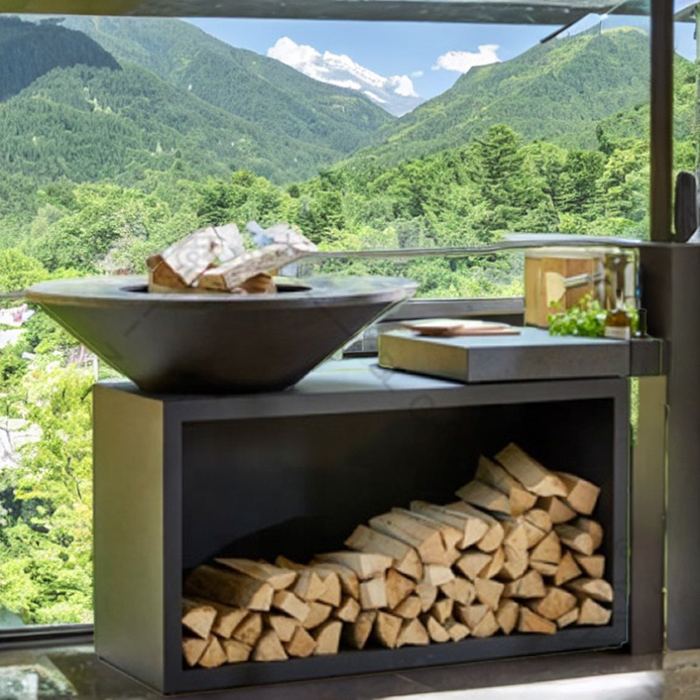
[(181, 479)]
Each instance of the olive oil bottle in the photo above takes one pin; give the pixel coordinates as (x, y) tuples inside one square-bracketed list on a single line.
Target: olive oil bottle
[(618, 323)]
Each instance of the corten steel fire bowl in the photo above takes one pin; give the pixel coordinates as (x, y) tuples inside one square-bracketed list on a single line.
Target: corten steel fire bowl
[(217, 343)]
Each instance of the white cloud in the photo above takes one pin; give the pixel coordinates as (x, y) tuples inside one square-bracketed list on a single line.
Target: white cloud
[(464, 61), (374, 97), (417, 74), (402, 85)]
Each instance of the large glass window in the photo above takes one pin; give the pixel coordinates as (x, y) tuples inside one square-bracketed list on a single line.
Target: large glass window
[(120, 135)]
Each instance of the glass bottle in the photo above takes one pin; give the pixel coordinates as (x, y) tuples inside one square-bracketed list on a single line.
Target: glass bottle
[(618, 322)]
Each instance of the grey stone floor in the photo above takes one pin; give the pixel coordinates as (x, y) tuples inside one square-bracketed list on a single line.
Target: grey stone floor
[(74, 673)]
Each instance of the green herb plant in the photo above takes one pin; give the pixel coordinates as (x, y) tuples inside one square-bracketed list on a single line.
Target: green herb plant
[(587, 318)]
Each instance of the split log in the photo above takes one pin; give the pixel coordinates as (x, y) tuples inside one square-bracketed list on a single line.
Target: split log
[(567, 570), (515, 565), (229, 587), (489, 592), (301, 645), (487, 627), (309, 585), (412, 633), (549, 549), (318, 614), (227, 618), (533, 623), (409, 608), (373, 594), (460, 590), (529, 586), (348, 610), (473, 529), (436, 631), (496, 476), (442, 610), (398, 587), (598, 589), (436, 575), (451, 536), (557, 509), (516, 535), (581, 495), (249, 630), (494, 536), (593, 614), (471, 615), (456, 630), (531, 474), (568, 618), (594, 565), (332, 590), (574, 538), (197, 617), (473, 563), (498, 559), (507, 615), (364, 564), (193, 648), (426, 540), (327, 638), (355, 635), (276, 576), (236, 652), (284, 626), (405, 557), (556, 602), (592, 528), (214, 655), (386, 629), (349, 582), (269, 648), (544, 568), (537, 524), (427, 595), (288, 603), (483, 496)]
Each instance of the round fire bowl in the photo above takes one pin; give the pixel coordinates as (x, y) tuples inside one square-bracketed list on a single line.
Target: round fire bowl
[(217, 343)]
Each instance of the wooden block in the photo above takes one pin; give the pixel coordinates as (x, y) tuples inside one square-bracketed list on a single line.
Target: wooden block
[(568, 618), (471, 615), (544, 568), (276, 576), (567, 570), (537, 525), (236, 652), (533, 623), (301, 645), (348, 610), (473, 529), (494, 536), (436, 631), (349, 582), (269, 648), (556, 602), (327, 638), (214, 654), (549, 549), (592, 528), (409, 608), (412, 633), (318, 614), (488, 592), (460, 590), (398, 587), (197, 617), (288, 603), (436, 575), (451, 536), (309, 585), (373, 594), (284, 626), (531, 474), (483, 496), (529, 586), (598, 589), (594, 566), (456, 630), (332, 590), (496, 476), (558, 510), (516, 536), (581, 495), (386, 629), (498, 559), (515, 566), (405, 557), (507, 615), (593, 614), (356, 634), (249, 630), (227, 619), (442, 610), (193, 648), (427, 594), (229, 587), (575, 539), (487, 627), (366, 565), (472, 563), (426, 540)]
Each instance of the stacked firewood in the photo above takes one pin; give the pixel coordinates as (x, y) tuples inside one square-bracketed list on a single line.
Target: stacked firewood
[(517, 552)]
